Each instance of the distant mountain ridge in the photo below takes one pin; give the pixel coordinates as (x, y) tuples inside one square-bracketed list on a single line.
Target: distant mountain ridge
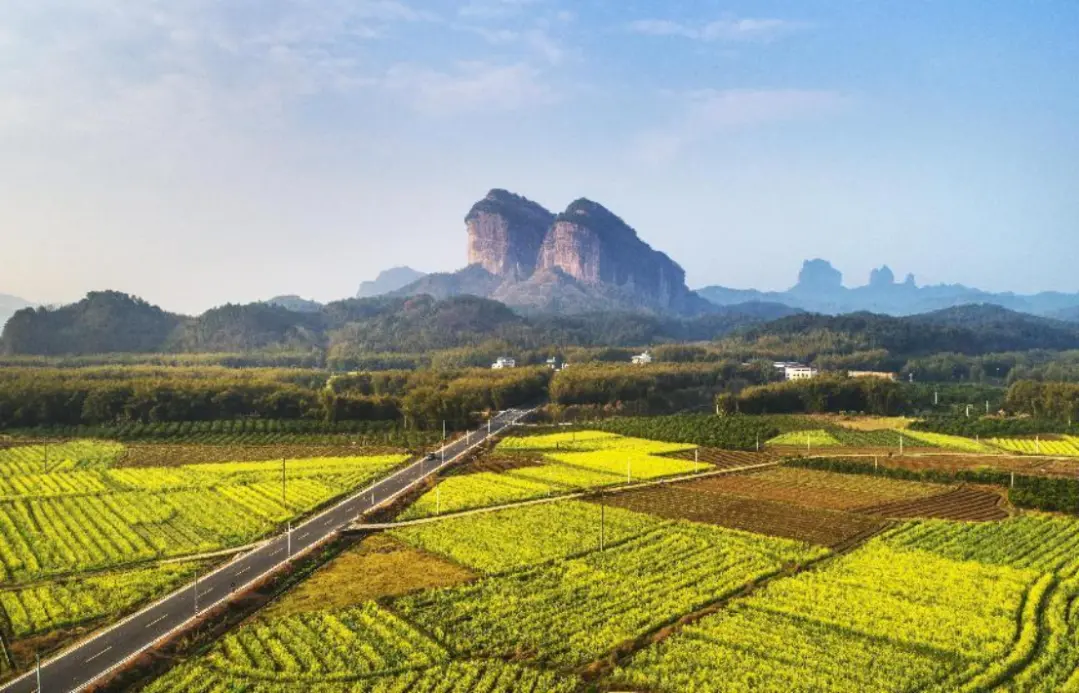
[(820, 289), (110, 321), (387, 281), (9, 305), (583, 259)]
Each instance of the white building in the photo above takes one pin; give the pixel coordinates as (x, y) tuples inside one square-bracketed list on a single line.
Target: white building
[(503, 363), (643, 358), (799, 372)]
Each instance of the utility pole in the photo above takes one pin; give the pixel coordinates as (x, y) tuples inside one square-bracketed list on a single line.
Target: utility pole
[(757, 442), (935, 396), (901, 444), (37, 668), (987, 407), (695, 454), (601, 521), (628, 469), (1036, 443), (283, 502), (196, 600), (288, 540)]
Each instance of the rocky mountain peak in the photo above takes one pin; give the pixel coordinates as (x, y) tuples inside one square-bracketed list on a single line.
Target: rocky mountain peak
[(505, 232), (586, 245)]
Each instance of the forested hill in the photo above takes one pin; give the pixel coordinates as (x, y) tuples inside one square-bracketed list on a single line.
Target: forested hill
[(971, 329), (115, 322)]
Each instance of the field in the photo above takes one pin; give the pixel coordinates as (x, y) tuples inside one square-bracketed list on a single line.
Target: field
[(82, 538), (695, 502), (46, 606), (963, 503), (816, 489), (909, 573), (569, 612), (1063, 445), (557, 464), (784, 578)]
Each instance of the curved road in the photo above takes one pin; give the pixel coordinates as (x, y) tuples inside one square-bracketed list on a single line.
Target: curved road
[(90, 660)]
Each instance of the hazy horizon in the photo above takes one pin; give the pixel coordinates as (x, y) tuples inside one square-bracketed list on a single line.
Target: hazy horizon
[(200, 153)]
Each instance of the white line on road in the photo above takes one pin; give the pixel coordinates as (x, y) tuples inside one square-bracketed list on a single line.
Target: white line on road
[(301, 537), (276, 552), (157, 620), (101, 652), (241, 571)]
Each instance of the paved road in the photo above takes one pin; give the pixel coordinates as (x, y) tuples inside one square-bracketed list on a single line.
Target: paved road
[(86, 662)]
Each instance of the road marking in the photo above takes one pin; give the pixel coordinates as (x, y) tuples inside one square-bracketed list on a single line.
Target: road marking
[(101, 652), (301, 537), (276, 552), (241, 571), (206, 592), (157, 620)]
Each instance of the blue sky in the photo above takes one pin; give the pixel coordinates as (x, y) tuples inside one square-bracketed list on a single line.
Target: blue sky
[(200, 152)]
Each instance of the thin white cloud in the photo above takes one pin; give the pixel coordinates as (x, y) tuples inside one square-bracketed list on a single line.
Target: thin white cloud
[(471, 86), (730, 30), (83, 66), (706, 113), (493, 9)]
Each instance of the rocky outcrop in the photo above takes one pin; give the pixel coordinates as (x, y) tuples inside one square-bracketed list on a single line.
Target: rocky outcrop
[(505, 232), (596, 247), (583, 259)]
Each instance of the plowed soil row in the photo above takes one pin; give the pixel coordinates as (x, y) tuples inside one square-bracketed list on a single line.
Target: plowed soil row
[(1028, 465), (499, 462), (723, 459), (965, 503), (818, 526), (818, 489)]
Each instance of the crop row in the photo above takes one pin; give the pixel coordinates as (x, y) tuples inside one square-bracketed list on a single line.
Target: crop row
[(883, 618), (43, 458), (528, 535), (48, 606), (571, 611), (578, 460), (60, 534), (1065, 445), (455, 676)]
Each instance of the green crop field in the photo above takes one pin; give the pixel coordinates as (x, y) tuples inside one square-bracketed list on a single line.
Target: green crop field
[(572, 461), (79, 537), (1058, 445)]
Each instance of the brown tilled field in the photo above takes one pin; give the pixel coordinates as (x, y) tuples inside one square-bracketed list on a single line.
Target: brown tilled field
[(1028, 465), (726, 459), (818, 526), (965, 503), (817, 489), (497, 461)]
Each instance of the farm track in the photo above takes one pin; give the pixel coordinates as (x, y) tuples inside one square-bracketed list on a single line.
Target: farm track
[(965, 503)]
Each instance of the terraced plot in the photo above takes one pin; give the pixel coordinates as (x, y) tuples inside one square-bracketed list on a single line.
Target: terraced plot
[(963, 504), (570, 461), (816, 526), (817, 489), (78, 520), (725, 460), (1064, 445), (46, 606), (518, 537), (881, 618), (572, 611)]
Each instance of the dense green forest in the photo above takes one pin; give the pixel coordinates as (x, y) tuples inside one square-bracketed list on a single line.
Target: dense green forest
[(32, 397)]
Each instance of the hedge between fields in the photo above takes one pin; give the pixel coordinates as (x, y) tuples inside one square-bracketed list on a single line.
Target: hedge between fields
[(1041, 493)]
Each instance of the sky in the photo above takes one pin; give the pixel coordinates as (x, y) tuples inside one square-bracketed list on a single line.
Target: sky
[(195, 153)]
